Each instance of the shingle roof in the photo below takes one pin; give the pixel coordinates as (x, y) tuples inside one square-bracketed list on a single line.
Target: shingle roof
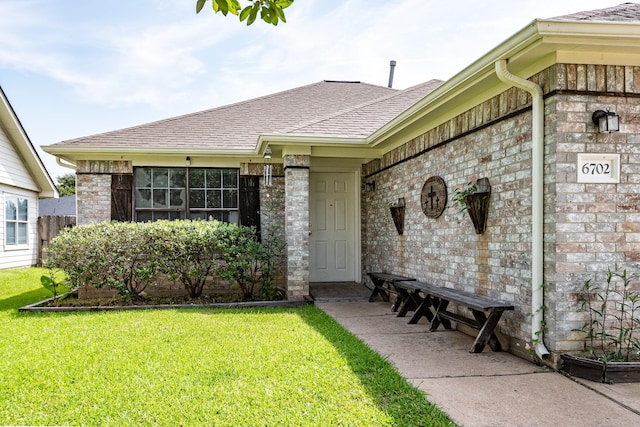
[(625, 12), (237, 126), (363, 120)]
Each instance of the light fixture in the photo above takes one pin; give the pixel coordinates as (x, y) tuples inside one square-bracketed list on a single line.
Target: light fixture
[(187, 161), (607, 121), (370, 186), (268, 168)]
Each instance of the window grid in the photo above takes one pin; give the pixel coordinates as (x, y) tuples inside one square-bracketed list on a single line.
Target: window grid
[(16, 221), (161, 193)]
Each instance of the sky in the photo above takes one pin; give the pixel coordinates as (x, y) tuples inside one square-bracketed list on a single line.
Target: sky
[(73, 68)]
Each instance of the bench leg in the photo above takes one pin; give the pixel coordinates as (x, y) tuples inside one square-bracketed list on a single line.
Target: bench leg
[(424, 309), (378, 289), (486, 334), (440, 305), (403, 302)]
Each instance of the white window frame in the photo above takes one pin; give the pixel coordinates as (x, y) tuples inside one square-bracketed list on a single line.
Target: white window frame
[(17, 222)]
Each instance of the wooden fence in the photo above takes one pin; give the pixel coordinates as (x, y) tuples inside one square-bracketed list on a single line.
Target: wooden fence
[(48, 228)]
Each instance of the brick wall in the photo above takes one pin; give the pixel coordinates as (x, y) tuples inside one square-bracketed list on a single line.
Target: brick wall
[(296, 169), (588, 227)]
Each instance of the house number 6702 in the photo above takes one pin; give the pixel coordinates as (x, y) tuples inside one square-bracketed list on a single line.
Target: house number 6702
[(596, 169)]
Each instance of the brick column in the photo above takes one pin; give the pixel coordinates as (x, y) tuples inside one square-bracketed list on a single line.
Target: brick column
[(93, 189), (296, 171)]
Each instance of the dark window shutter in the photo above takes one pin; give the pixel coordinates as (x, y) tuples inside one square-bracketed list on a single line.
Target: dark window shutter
[(250, 201), (121, 197)]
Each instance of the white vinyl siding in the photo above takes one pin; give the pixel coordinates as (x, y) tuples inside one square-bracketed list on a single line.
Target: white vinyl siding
[(16, 183), (13, 172), (20, 255)]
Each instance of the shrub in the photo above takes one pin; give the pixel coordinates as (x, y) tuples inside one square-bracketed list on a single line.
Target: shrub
[(188, 251), (129, 257), (245, 259), (113, 254)]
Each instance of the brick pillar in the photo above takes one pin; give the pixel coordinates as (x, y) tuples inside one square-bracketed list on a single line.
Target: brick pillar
[(296, 172), (93, 188)]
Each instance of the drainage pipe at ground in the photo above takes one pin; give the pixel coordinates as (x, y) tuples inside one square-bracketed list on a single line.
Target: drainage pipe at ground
[(537, 203)]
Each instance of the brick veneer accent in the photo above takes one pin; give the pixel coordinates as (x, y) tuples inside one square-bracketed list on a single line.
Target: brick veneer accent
[(588, 227), (296, 170)]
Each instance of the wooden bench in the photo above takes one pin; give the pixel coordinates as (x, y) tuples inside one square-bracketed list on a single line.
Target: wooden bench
[(432, 302), (380, 279)]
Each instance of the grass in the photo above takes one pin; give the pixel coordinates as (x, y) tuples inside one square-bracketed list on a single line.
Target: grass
[(243, 367)]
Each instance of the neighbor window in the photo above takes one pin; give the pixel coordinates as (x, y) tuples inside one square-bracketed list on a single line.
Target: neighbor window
[(179, 193), (16, 223)]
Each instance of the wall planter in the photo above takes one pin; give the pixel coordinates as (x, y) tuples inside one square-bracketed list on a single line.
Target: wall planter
[(397, 214), (597, 370), (475, 200)]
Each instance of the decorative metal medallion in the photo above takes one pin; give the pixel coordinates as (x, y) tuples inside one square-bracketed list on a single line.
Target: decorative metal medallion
[(434, 197)]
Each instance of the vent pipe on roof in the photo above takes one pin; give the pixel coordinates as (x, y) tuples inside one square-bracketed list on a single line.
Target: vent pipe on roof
[(393, 66)]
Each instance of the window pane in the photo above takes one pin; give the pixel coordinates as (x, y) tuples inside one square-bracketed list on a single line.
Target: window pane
[(230, 199), (143, 178), (214, 199), (196, 178), (160, 215), (178, 178), (144, 216), (160, 198), (176, 215), (11, 210), (198, 215), (22, 209), (177, 198), (11, 233), (143, 198), (214, 178), (22, 234), (160, 178), (196, 198), (230, 179)]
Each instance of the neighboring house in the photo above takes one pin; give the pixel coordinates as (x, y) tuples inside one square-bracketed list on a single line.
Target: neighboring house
[(62, 206), (564, 201), (23, 179)]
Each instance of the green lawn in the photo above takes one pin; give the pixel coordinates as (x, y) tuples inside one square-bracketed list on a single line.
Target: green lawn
[(244, 367)]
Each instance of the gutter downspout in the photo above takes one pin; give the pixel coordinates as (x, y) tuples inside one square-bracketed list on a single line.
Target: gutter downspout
[(537, 203)]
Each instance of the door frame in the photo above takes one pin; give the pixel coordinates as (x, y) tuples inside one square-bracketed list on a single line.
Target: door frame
[(357, 221)]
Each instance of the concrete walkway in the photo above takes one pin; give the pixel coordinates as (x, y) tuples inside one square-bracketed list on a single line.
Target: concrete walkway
[(485, 389)]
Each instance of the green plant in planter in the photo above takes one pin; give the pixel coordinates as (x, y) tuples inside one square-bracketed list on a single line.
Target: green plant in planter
[(612, 325), (460, 194)]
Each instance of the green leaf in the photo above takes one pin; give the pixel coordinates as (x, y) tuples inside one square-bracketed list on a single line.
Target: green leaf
[(200, 5), (245, 13), (254, 13), (223, 6)]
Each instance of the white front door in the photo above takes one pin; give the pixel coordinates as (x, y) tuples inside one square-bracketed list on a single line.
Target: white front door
[(332, 224)]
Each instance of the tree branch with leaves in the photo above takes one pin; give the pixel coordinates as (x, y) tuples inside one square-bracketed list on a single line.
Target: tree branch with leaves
[(270, 11)]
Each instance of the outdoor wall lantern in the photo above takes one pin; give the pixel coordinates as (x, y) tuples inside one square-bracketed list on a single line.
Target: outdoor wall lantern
[(187, 161), (607, 121), (268, 168)]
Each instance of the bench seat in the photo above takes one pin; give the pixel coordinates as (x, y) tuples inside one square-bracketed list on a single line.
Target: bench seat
[(432, 302), (379, 280)]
